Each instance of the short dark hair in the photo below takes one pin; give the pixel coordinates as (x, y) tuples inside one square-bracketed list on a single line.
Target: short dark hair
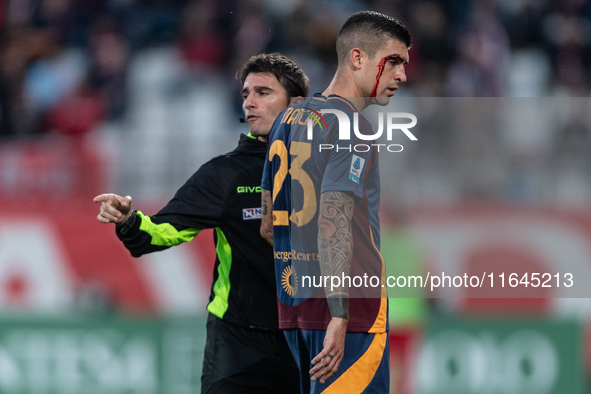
[(290, 76), (366, 30)]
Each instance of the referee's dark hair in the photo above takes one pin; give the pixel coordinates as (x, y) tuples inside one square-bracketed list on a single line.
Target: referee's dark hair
[(367, 31), (290, 76)]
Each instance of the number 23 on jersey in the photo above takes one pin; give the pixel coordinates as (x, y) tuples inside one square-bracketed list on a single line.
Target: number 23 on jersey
[(300, 151)]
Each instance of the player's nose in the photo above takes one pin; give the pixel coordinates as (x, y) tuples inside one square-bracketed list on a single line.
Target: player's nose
[(400, 75)]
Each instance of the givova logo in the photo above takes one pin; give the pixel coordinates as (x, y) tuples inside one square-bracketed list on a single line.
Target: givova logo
[(251, 213), (249, 189)]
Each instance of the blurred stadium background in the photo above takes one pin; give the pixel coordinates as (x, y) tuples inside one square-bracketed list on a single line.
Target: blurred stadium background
[(132, 96)]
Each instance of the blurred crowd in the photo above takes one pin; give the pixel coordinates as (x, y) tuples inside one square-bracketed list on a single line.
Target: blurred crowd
[(153, 76), (65, 63)]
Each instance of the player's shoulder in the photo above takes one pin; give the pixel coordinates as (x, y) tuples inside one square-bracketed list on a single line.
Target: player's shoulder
[(322, 107), (294, 113), (293, 109), (334, 101)]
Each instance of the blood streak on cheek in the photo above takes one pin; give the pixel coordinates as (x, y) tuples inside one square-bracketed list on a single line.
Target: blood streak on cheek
[(381, 66)]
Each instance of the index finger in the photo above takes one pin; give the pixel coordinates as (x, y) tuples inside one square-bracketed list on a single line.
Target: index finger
[(325, 352), (101, 198)]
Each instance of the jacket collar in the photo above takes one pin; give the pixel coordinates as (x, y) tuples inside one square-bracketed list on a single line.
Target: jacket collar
[(251, 145)]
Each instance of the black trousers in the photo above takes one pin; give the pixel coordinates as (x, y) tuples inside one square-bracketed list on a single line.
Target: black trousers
[(242, 360)]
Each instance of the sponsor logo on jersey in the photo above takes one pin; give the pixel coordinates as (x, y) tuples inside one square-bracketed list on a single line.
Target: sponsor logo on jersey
[(289, 281), (357, 164), (249, 189), (251, 213)]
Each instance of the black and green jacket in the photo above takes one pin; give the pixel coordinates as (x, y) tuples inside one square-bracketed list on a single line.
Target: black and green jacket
[(224, 194)]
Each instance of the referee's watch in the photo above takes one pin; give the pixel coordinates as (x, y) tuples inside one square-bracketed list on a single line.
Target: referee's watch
[(128, 224)]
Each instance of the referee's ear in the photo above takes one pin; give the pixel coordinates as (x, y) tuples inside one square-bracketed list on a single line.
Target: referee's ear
[(295, 100)]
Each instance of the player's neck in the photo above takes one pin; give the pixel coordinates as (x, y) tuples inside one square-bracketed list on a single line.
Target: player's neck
[(343, 85)]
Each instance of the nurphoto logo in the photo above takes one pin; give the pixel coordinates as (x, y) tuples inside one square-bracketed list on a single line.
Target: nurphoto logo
[(345, 130)]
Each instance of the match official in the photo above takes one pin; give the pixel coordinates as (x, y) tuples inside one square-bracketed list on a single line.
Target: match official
[(245, 351)]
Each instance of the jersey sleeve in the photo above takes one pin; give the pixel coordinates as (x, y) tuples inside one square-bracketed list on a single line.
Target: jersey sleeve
[(266, 180), (346, 167), (198, 204)]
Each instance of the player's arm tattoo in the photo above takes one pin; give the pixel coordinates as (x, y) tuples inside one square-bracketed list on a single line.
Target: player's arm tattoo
[(267, 216), (335, 246)]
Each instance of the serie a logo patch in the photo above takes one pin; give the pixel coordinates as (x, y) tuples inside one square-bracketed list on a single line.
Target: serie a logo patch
[(251, 213), (357, 164)]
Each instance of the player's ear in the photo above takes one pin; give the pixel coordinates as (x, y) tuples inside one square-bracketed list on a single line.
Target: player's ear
[(295, 100), (356, 57)]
